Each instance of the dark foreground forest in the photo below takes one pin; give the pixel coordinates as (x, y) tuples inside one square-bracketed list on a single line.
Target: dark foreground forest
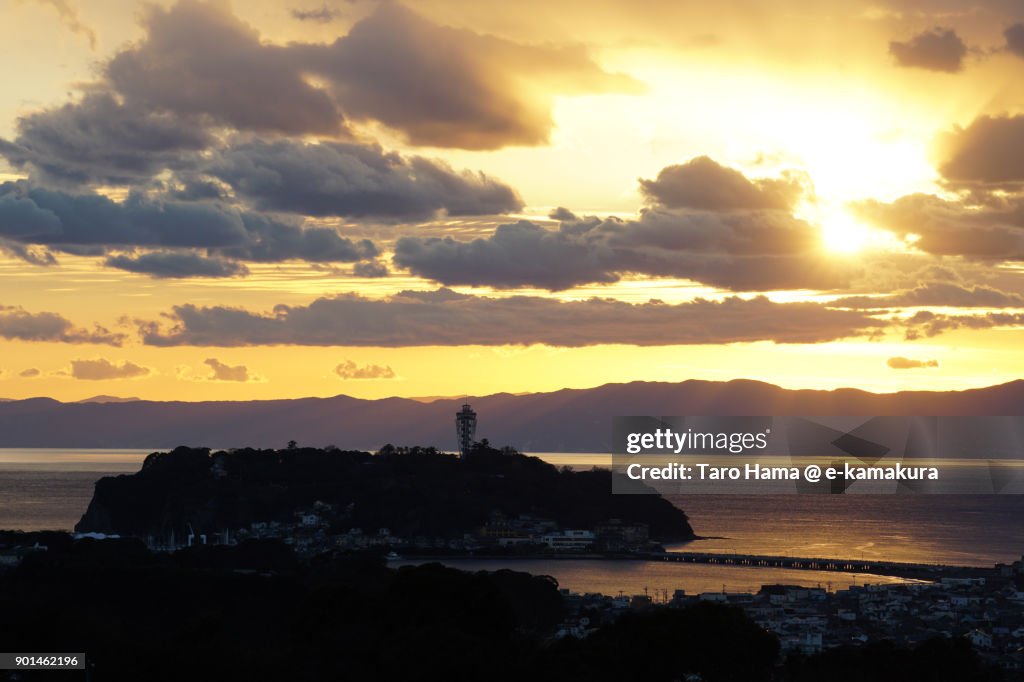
[(255, 612)]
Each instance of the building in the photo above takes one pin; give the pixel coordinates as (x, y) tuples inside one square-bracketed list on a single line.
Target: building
[(465, 428), (569, 540), (615, 535)]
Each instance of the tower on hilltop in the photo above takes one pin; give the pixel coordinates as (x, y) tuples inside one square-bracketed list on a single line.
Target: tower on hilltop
[(465, 428)]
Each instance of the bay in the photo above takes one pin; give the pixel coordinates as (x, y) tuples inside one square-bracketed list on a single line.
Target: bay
[(51, 488)]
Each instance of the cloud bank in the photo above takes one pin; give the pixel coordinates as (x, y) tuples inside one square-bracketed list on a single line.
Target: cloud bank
[(349, 370), (444, 317), (18, 324), (102, 369)]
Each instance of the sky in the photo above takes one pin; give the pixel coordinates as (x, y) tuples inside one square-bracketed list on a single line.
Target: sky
[(217, 201)]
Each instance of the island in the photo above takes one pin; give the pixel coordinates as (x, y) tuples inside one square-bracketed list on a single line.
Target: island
[(409, 498)]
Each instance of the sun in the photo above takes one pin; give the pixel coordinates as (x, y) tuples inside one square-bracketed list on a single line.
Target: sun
[(841, 233)]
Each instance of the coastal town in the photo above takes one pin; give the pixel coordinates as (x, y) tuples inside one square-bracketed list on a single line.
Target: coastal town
[(987, 610), (983, 606)]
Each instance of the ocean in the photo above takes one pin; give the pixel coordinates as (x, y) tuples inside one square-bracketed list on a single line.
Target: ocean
[(51, 488)]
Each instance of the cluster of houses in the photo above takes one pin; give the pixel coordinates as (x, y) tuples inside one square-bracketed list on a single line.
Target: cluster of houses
[(988, 611), (310, 532)]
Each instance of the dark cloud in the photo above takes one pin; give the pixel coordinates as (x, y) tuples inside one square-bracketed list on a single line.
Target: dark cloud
[(927, 323), (349, 370), (370, 268), (450, 87), (44, 216), (101, 369), (199, 73), (953, 227), (30, 254), (521, 254), (41, 216), (737, 250), (191, 186), (320, 15), (198, 59), (176, 264), (17, 324), (898, 362), (703, 184), (436, 85), (29, 373), (335, 179), (163, 116), (990, 151), (563, 214), (271, 240), (443, 317), (102, 140), (939, 49), (945, 294), (1015, 39), (223, 372)]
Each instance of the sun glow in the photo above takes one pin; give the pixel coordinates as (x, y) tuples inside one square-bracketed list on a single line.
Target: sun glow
[(842, 234)]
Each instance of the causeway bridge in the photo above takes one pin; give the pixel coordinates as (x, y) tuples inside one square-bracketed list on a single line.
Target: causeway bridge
[(893, 568)]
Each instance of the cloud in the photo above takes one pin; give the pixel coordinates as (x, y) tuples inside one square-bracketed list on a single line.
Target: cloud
[(898, 362), (986, 152), (222, 372), (1015, 39), (171, 264), (370, 268), (927, 323), (451, 87), (737, 250), (100, 139), (521, 254), (946, 294), (939, 49), (68, 14), (17, 324), (320, 15), (703, 184), (992, 231), (563, 214), (435, 85), (271, 240), (349, 370), (42, 216), (350, 180), (101, 369), (198, 59), (29, 373), (444, 317), (167, 112), (30, 254)]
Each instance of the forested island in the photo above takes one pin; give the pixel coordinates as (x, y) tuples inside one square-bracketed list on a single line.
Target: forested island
[(406, 492)]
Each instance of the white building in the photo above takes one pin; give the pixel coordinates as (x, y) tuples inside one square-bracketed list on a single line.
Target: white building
[(569, 540)]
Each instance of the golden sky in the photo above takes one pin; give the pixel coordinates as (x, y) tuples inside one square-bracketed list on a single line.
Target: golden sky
[(206, 200)]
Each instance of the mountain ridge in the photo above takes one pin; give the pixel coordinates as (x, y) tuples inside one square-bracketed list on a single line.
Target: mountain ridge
[(566, 420)]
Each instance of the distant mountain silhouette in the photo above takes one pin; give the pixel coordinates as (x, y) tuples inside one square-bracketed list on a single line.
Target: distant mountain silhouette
[(107, 399), (570, 420)]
